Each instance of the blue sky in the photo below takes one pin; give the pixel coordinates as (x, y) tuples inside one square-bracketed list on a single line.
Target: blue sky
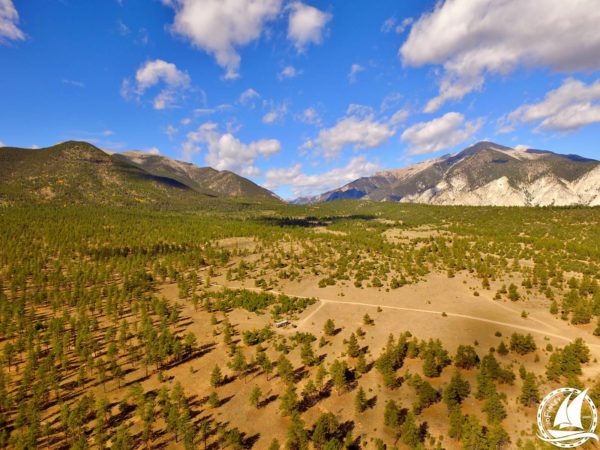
[(300, 96)]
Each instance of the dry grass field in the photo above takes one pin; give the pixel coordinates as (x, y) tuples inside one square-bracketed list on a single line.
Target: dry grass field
[(384, 322)]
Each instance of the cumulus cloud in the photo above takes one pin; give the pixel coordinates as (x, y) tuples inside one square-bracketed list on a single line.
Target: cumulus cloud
[(226, 152), (153, 73), (310, 116), (360, 129), (473, 38), (152, 150), (569, 107), (248, 96), (306, 25), (2, 144), (171, 131), (301, 183), (9, 20), (438, 134), (276, 114), (355, 69), (219, 27), (288, 72)]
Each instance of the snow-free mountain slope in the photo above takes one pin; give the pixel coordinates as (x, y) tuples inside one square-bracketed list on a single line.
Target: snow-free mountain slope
[(483, 174)]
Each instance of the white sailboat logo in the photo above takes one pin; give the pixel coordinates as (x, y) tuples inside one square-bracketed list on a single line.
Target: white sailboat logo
[(567, 424)]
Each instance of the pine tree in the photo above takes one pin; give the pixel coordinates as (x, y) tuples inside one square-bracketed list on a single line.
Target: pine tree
[(216, 377), (494, 408), (458, 389), (255, 396), (297, 435), (123, 439), (361, 363), (410, 433), (238, 363), (338, 372), (353, 348), (360, 401), (502, 349), (285, 370), (329, 327), (306, 354), (289, 401), (529, 392), (392, 415), (456, 423), (320, 378)]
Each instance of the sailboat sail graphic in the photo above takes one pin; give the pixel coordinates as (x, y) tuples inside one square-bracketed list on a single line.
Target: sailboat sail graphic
[(567, 428), (569, 415)]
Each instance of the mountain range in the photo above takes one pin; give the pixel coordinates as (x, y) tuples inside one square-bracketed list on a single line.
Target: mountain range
[(482, 174), (78, 172)]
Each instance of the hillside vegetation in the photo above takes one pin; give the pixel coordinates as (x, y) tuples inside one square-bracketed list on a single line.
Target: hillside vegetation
[(136, 328)]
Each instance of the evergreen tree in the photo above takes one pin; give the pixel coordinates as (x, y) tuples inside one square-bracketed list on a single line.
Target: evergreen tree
[(329, 328), (285, 370), (297, 435), (360, 401), (392, 415), (494, 408), (466, 357), (289, 401), (529, 392), (255, 396), (458, 389), (410, 433), (353, 349), (361, 363), (306, 354), (338, 372), (216, 377)]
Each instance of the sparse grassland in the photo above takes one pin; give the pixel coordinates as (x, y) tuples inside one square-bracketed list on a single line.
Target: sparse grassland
[(404, 326)]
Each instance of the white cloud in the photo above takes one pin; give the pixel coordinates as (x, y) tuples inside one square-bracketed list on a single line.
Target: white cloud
[(571, 106), (226, 152), (304, 184), (9, 19), (288, 72), (473, 38), (153, 73), (391, 24), (390, 101), (438, 134), (75, 83), (306, 25), (248, 96), (219, 27), (2, 144), (359, 129), (310, 116), (276, 114), (152, 150), (122, 28), (355, 69), (171, 131)]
